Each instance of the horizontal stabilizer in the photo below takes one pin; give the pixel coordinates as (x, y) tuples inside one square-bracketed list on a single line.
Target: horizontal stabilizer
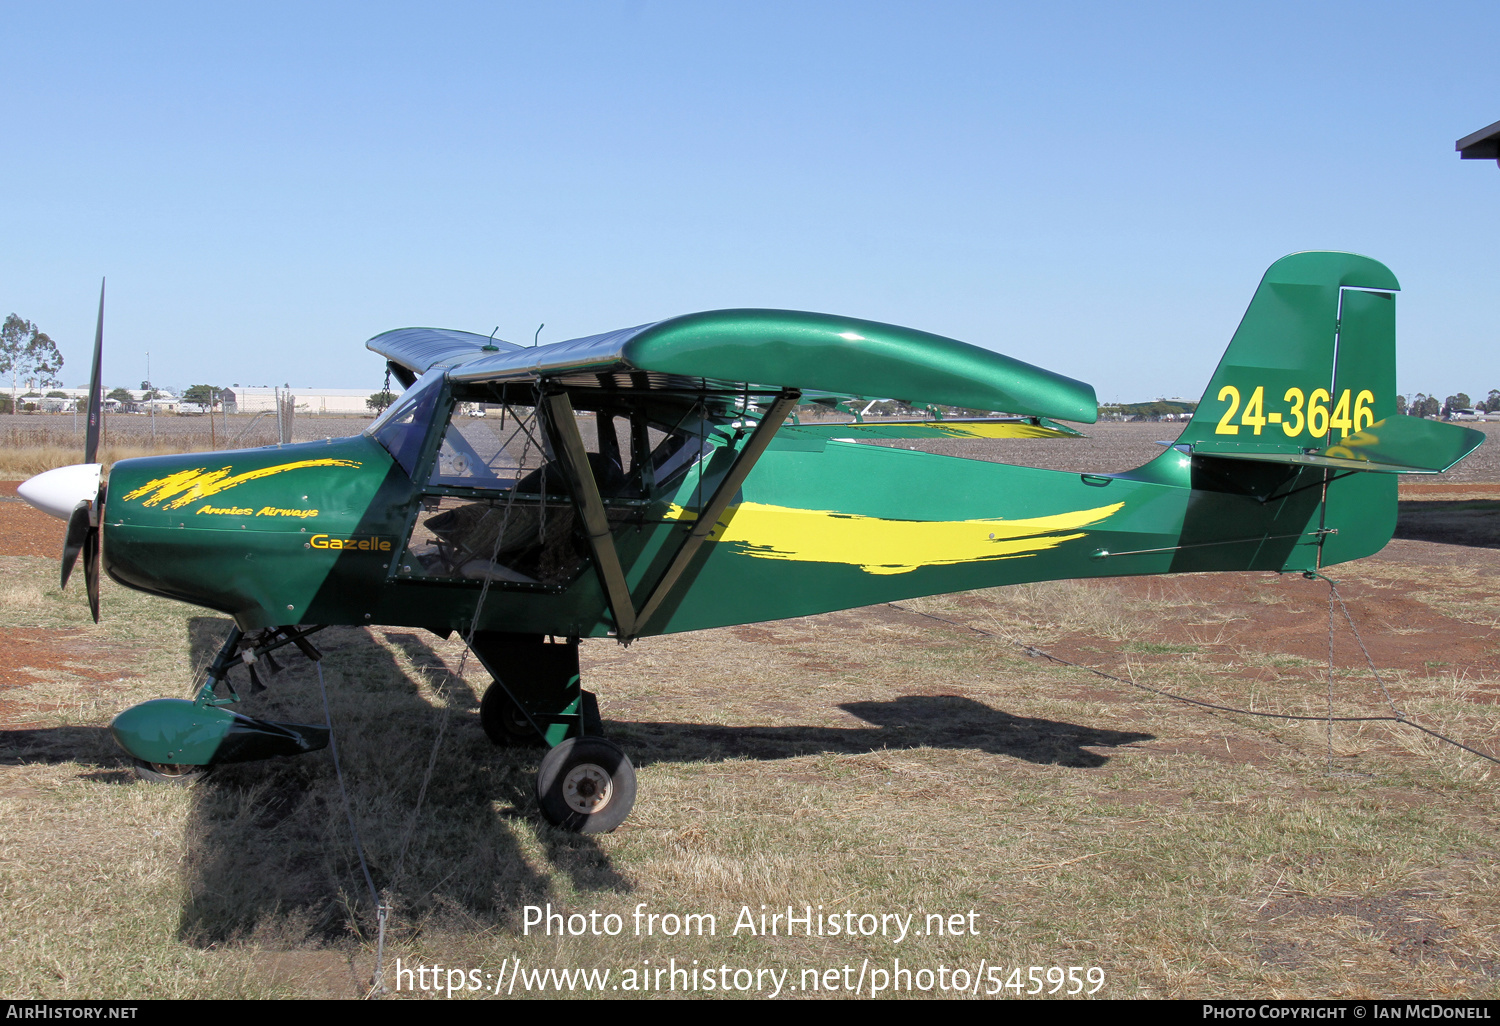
[(1395, 445)]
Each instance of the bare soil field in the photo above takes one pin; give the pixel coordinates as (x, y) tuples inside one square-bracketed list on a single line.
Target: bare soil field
[(921, 759)]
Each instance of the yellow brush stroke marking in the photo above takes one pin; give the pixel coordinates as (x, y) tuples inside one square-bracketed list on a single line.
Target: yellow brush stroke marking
[(191, 485), (880, 546)]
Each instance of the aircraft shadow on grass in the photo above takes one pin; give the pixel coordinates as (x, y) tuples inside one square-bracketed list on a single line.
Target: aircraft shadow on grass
[(1471, 522), (269, 847)]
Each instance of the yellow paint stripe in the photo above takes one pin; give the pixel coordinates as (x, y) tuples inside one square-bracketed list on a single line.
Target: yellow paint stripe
[(880, 546), (191, 485)]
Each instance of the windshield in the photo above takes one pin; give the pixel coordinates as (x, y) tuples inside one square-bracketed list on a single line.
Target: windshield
[(402, 427)]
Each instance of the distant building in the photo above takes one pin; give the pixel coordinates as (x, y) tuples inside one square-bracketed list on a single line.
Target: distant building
[(344, 401)]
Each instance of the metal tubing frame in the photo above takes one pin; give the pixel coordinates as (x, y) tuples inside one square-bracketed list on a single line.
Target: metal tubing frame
[(708, 517), (562, 423)]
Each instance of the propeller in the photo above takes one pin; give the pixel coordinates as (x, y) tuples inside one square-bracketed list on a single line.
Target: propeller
[(76, 493)]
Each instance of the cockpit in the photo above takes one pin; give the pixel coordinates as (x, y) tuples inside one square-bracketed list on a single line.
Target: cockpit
[(495, 501)]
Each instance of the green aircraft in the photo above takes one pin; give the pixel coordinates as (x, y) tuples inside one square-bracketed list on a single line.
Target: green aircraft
[(660, 479)]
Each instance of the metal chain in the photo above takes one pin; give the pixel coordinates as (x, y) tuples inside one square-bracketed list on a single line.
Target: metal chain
[(1333, 591), (463, 661), (1330, 678), (382, 911)]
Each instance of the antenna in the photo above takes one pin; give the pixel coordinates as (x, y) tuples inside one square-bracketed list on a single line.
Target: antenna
[(490, 347), (538, 334)]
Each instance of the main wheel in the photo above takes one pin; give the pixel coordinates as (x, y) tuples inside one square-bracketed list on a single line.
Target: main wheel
[(503, 721), (586, 785), (167, 773)]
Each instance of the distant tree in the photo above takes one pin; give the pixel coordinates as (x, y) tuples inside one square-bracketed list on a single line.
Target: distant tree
[(123, 397), (1455, 402), (1401, 404), (27, 353), (1492, 403), (380, 400), (57, 395), (202, 395)]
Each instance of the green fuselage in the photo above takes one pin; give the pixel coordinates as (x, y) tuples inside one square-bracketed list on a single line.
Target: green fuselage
[(317, 533)]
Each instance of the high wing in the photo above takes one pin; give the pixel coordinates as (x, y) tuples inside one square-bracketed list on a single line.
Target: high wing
[(412, 352), (759, 351)]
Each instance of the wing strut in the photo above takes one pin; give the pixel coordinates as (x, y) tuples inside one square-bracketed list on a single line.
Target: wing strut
[(563, 424), (708, 516)]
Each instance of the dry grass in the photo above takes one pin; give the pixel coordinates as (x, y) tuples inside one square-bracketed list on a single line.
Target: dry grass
[(870, 760)]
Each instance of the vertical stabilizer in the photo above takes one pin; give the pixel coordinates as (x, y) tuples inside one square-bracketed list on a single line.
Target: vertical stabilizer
[(1288, 378)]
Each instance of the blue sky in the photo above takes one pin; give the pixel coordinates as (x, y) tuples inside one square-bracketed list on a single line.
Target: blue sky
[(1095, 188)]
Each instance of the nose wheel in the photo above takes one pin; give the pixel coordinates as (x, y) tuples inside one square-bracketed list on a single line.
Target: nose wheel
[(167, 772), (586, 785)]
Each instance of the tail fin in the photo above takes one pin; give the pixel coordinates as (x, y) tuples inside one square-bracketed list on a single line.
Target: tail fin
[(1309, 381), (1315, 352)]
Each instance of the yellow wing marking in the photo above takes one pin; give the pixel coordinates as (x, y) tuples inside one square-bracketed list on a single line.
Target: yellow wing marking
[(992, 430), (189, 486), (880, 546)]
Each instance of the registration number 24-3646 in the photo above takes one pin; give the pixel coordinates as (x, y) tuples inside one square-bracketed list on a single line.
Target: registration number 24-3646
[(1310, 412)]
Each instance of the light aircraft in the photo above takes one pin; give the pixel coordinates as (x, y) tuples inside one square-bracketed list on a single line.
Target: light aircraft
[(660, 479)]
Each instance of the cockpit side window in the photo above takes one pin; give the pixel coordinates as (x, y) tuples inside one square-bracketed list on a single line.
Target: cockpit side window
[(492, 448), (496, 505)]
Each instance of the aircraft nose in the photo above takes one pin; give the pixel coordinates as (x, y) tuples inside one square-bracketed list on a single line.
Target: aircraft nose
[(60, 490)]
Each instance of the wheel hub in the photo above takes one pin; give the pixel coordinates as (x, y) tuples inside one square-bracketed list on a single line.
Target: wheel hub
[(587, 788), (172, 769)]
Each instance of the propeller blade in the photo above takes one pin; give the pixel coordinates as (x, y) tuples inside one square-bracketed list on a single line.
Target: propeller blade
[(91, 569), (78, 529), (96, 404)]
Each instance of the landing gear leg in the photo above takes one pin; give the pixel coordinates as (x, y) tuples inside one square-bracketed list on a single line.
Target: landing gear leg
[(586, 783), (536, 697)]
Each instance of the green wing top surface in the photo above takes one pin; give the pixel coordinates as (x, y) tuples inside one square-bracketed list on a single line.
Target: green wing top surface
[(788, 349)]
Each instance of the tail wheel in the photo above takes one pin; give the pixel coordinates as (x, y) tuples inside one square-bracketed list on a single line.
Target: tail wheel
[(586, 785)]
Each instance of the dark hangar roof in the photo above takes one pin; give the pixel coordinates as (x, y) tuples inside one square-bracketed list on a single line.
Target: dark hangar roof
[(1482, 145)]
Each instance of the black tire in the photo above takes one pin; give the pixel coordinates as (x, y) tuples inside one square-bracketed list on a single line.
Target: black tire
[(586, 785), (167, 773), (503, 721)]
